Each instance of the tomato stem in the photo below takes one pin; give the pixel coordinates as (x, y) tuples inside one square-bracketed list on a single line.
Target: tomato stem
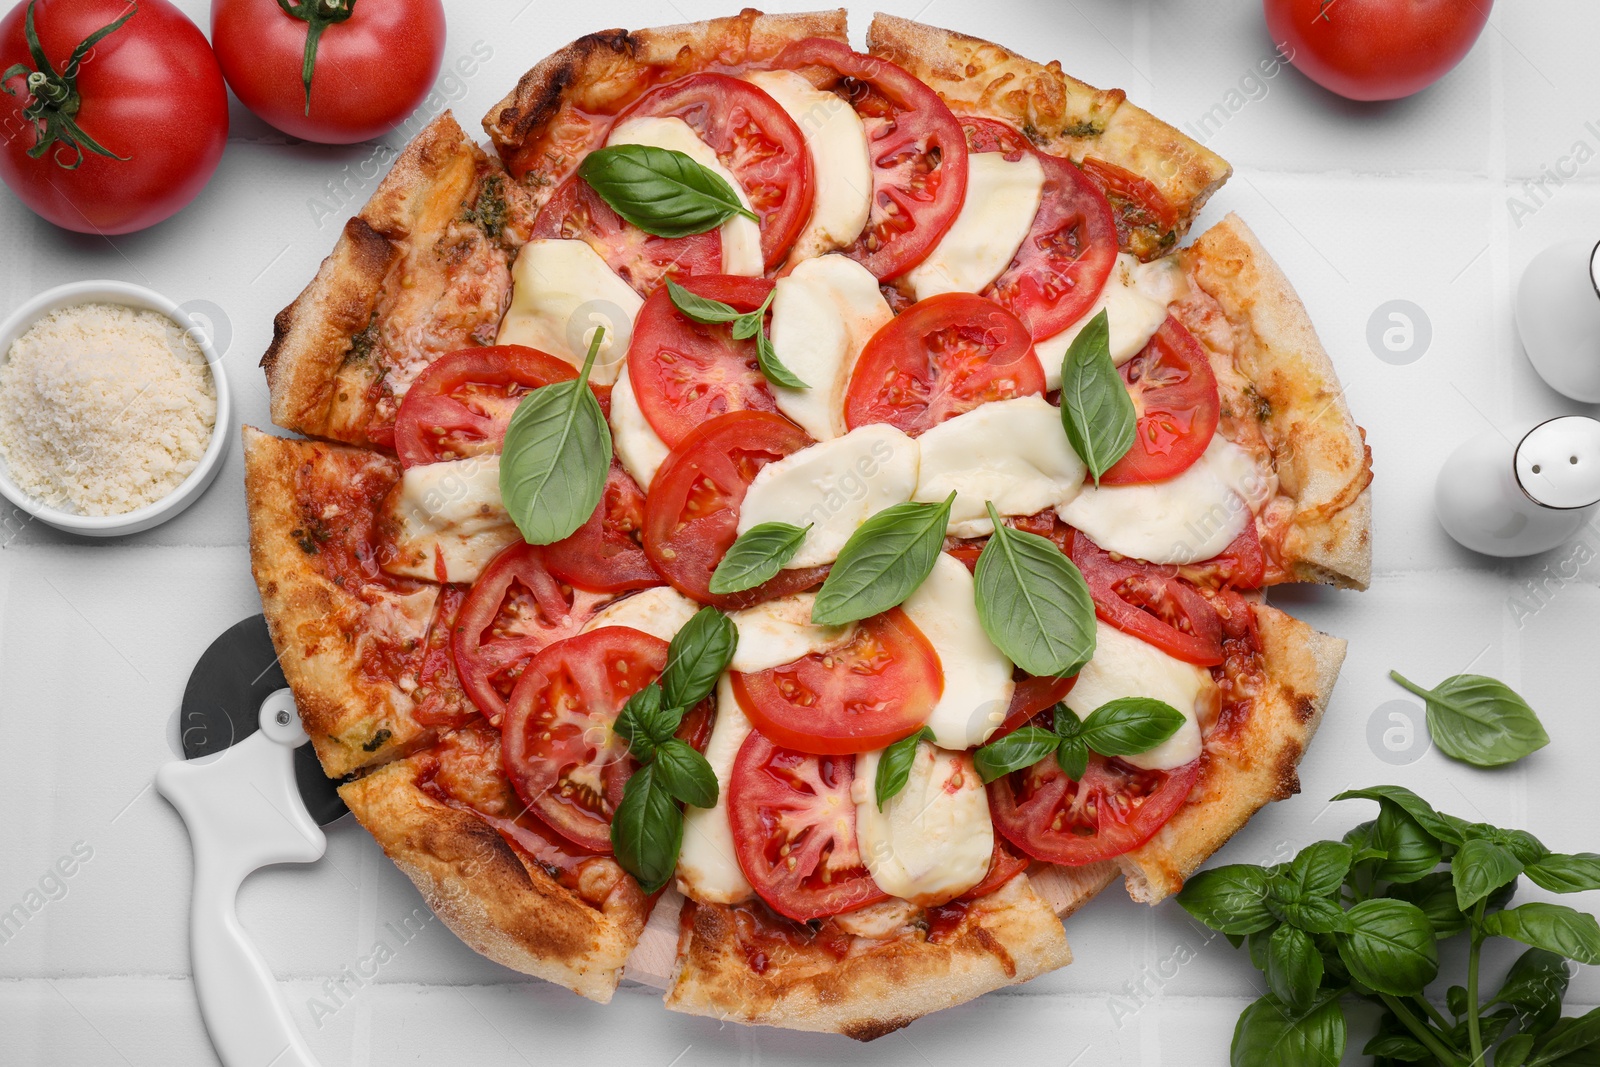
[(54, 96), (318, 15)]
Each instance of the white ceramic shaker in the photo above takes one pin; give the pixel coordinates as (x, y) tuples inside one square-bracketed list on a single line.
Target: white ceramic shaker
[(1524, 494)]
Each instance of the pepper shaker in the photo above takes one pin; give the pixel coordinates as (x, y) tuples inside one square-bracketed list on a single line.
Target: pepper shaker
[(1521, 495), (1558, 318)]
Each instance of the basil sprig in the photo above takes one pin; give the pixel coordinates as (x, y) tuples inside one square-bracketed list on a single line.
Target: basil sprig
[(1033, 603), (556, 457), (757, 556), (1123, 727), (1479, 720), (1363, 917), (1095, 406), (884, 562), (662, 191), (894, 766), (647, 827), (746, 324)]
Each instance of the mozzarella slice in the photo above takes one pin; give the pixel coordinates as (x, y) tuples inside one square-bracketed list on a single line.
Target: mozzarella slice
[(639, 448), (741, 237), (660, 612), (823, 313), (932, 841), (781, 631), (834, 486), (1135, 299), (1011, 452), (1002, 198), (448, 519), (1124, 666), (561, 291), (977, 676), (708, 865), (1182, 520), (840, 165)]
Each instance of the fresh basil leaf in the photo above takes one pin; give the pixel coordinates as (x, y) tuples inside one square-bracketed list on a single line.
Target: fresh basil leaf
[(1398, 1046), (1569, 1037), (1270, 1034), (1554, 927), (685, 774), (1318, 870), (757, 556), (1455, 999), (894, 766), (1033, 603), (1096, 409), (661, 191), (1435, 894), (1129, 726), (1259, 942), (1410, 852), (1577, 873), (701, 309), (1232, 899), (884, 562), (1072, 756), (696, 658), (556, 457), (1314, 915), (1066, 721), (1013, 752), (1430, 820), (1479, 868), (1479, 720), (1513, 1052), (1535, 986), (645, 722), (1521, 844), (647, 829), (1390, 946), (1294, 967), (773, 368)]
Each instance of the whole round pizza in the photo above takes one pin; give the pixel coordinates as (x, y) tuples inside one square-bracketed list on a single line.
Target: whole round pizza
[(788, 525)]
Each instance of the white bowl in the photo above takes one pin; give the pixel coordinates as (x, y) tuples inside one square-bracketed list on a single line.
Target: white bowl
[(189, 490)]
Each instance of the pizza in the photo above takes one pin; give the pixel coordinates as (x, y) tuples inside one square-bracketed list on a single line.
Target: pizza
[(788, 525)]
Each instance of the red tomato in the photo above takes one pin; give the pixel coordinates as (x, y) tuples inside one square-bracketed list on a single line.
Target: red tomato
[(1151, 603), (685, 372), (149, 94), (754, 138), (794, 828), (1175, 395), (1242, 565), (692, 513), (576, 212), (561, 754), (868, 694), (1031, 696), (460, 404), (374, 63), (606, 553), (919, 156), (1064, 261), (939, 358), (1004, 865), (1375, 49), (1115, 808), (514, 609), (1135, 199)]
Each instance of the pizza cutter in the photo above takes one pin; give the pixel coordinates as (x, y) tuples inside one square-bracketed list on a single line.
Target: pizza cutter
[(252, 794)]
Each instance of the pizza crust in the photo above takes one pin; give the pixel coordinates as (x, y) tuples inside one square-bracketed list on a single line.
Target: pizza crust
[(1323, 464), (510, 911), (1061, 115), (1008, 937)]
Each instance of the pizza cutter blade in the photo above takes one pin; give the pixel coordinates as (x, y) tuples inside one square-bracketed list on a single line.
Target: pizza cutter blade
[(252, 794)]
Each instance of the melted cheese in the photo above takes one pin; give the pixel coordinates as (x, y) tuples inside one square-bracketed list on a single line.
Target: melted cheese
[(1182, 520), (640, 450), (823, 313), (562, 290), (660, 612), (977, 675), (834, 486), (1011, 452), (448, 520), (1124, 666), (840, 165), (708, 865), (1135, 299), (932, 841), (781, 631), (1002, 198), (741, 237)]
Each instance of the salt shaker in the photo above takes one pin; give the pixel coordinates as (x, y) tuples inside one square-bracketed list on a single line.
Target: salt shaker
[(1522, 495), (1558, 317)]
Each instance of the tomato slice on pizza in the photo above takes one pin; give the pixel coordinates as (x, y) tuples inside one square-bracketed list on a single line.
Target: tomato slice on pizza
[(576, 212), (460, 405), (1175, 396)]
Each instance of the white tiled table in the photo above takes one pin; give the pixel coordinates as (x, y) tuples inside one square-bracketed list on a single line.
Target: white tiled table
[(1362, 204)]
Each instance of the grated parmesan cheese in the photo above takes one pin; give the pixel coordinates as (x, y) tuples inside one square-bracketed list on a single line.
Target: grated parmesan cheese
[(104, 408)]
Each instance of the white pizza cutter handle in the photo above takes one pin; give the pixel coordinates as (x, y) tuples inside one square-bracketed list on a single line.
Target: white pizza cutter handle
[(244, 812)]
